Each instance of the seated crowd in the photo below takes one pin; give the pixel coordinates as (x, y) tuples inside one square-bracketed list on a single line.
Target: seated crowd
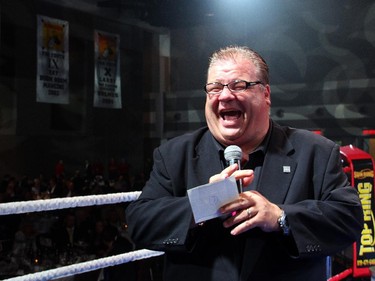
[(43, 240)]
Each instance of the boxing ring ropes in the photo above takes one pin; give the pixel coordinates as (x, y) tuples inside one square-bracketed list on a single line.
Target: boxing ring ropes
[(72, 202)]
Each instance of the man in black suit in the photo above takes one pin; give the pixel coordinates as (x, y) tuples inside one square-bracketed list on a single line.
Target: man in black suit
[(296, 207)]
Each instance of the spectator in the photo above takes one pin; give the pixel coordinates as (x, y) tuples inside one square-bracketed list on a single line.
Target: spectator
[(112, 169), (54, 187), (60, 169)]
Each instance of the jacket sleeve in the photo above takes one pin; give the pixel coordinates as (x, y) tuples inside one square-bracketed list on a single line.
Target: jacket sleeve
[(160, 219), (333, 218)]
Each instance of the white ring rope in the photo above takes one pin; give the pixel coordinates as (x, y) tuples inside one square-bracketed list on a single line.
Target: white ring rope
[(67, 202), (72, 202), (87, 266)]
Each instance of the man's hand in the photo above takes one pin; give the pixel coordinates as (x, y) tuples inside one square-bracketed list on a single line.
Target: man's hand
[(251, 210), (246, 176)]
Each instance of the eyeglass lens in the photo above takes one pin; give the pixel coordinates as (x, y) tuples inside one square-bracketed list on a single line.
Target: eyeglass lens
[(235, 86)]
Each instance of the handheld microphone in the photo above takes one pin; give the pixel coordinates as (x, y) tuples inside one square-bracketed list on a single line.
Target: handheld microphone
[(233, 155)]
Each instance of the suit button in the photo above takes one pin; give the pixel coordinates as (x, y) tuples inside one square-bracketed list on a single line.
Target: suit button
[(313, 248)]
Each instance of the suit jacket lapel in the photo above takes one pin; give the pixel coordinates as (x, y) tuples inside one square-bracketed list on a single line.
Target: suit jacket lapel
[(206, 162), (277, 173), (278, 167)]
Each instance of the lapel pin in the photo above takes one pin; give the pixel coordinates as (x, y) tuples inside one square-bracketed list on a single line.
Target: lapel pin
[(286, 169)]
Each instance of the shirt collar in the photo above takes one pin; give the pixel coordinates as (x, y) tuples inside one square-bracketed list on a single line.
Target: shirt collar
[(264, 144), (262, 147)]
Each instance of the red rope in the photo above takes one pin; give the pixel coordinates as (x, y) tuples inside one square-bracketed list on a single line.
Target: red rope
[(341, 275)]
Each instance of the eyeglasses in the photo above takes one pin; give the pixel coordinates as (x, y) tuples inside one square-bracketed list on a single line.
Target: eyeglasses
[(235, 86)]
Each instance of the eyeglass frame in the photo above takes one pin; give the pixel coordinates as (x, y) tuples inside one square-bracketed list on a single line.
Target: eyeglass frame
[(248, 84)]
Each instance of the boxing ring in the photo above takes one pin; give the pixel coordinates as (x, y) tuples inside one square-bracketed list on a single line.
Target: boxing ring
[(357, 164), (359, 259), (73, 202)]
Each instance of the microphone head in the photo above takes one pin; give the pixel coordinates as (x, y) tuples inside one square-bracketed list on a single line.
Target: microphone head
[(233, 152)]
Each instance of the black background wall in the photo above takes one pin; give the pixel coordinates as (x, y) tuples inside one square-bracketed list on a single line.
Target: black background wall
[(320, 53)]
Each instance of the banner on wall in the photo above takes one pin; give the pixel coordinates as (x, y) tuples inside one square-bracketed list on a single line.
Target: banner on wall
[(52, 85), (107, 88)]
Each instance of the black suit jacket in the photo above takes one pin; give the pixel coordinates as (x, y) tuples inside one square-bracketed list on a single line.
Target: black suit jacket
[(302, 173)]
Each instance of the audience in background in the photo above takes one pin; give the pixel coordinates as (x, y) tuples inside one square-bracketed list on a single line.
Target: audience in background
[(54, 188), (72, 235)]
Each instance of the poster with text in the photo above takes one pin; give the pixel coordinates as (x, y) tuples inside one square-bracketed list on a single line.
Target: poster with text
[(107, 88), (52, 85)]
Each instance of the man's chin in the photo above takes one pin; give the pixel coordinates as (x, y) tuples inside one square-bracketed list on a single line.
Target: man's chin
[(230, 134)]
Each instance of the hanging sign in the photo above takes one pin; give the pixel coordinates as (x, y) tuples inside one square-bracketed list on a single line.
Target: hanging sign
[(107, 87), (359, 167), (52, 83)]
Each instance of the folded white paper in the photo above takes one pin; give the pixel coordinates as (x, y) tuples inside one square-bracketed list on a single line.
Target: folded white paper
[(205, 200)]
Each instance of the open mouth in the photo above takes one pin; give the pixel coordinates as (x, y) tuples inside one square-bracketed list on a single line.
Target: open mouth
[(230, 115)]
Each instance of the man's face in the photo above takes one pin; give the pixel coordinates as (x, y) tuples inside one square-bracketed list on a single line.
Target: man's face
[(238, 118)]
